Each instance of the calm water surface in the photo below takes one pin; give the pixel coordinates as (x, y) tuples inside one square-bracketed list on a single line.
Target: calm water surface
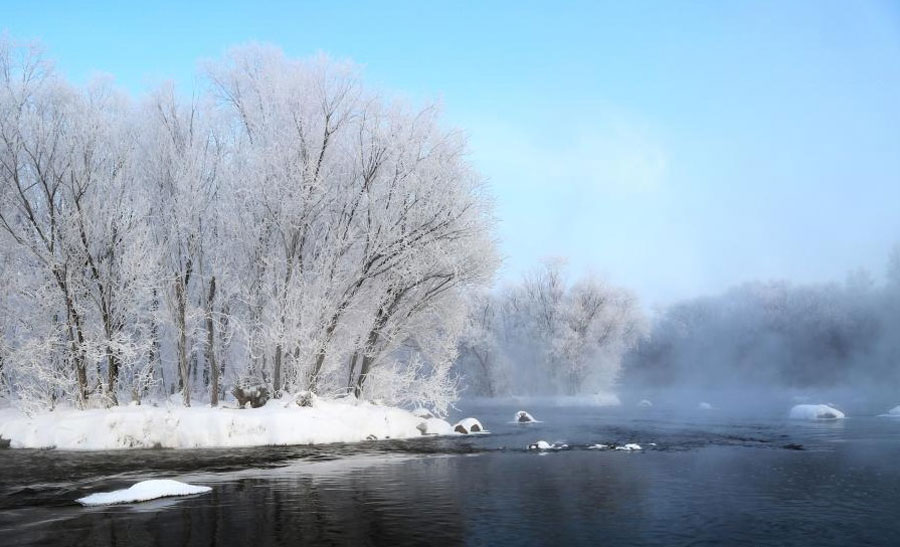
[(709, 480)]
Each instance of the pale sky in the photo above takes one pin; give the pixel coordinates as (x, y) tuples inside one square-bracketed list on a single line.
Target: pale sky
[(675, 148)]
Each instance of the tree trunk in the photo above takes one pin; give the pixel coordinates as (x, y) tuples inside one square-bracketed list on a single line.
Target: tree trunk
[(180, 317), (353, 360), (210, 346)]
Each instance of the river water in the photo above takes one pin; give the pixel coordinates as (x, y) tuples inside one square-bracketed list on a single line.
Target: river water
[(701, 479)]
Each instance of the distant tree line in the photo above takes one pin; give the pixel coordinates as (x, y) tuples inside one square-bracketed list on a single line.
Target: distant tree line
[(778, 334), (284, 227)]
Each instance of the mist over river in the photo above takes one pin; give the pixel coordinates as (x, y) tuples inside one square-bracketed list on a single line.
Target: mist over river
[(701, 478)]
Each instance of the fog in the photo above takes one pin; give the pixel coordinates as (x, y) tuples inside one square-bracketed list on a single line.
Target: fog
[(756, 348)]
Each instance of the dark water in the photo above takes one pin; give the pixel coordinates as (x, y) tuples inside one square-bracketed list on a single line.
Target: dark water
[(709, 480)]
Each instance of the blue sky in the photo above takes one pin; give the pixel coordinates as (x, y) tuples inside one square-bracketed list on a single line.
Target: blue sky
[(676, 148)]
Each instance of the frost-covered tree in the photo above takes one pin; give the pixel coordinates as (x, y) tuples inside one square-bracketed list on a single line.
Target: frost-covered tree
[(546, 335), (285, 226)]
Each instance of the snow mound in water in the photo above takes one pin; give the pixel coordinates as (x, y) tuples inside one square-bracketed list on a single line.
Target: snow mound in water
[(435, 426), (892, 413), (468, 425), (144, 491), (544, 445), (815, 412), (629, 447), (523, 417), (644, 403)]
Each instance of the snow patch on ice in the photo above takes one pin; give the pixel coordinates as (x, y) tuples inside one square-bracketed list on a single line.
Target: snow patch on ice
[(644, 403), (629, 447), (705, 406), (144, 491), (816, 412)]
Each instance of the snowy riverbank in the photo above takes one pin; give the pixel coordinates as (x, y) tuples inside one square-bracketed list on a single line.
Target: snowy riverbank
[(203, 427)]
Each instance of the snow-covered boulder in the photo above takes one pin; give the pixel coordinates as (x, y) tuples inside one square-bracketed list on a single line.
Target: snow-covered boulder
[(256, 396), (544, 445), (597, 446), (705, 406), (435, 426), (468, 425), (523, 417), (815, 412), (144, 491), (644, 403), (630, 447), (892, 413)]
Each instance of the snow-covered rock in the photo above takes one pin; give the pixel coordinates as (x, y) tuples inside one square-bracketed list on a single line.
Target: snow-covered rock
[(468, 425), (629, 447), (892, 413), (644, 403), (598, 446), (171, 426), (815, 412), (435, 426), (144, 491), (544, 445), (523, 417), (705, 406)]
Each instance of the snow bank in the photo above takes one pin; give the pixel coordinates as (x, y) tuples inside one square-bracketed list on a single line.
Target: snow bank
[(815, 412), (277, 423), (144, 491), (523, 417)]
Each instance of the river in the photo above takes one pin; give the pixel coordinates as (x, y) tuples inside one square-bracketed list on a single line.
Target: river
[(702, 478)]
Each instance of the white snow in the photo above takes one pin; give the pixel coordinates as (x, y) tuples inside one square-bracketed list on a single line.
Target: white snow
[(815, 412), (544, 445), (629, 447), (644, 403), (468, 425), (598, 446), (705, 406), (170, 426), (422, 413), (523, 417), (435, 426), (144, 491)]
